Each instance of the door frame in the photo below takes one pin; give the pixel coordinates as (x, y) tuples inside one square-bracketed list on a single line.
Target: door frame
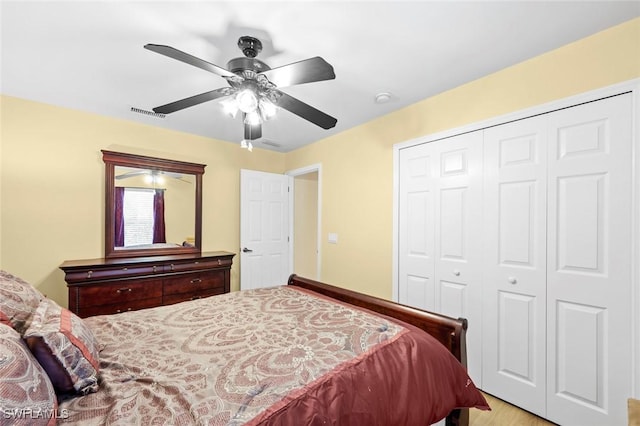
[(313, 168), (630, 86)]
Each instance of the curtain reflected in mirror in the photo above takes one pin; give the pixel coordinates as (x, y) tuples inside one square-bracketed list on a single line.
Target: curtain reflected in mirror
[(154, 208)]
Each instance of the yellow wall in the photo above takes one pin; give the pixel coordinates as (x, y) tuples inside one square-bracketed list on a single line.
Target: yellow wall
[(357, 187), (305, 232), (52, 186), (52, 177)]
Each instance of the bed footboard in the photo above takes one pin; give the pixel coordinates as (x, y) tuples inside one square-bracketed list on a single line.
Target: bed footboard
[(450, 332)]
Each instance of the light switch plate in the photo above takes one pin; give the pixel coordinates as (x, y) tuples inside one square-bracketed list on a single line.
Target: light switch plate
[(333, 238)]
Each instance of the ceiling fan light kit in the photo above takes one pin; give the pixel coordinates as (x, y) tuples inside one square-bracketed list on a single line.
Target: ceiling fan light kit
[(253, 87)]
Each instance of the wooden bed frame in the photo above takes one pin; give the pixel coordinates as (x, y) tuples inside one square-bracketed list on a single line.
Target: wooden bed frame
[(448, 331)]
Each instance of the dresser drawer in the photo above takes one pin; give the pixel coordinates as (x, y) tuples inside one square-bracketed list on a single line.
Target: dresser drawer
[(115, 272), (131, 305), (193, 282), (183, 297), (118, 293), (195, 265)]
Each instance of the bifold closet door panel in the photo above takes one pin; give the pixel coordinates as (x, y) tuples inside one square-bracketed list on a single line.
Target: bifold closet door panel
[(458, 237), (514, 270), (416, 228), (440, 252), (589, 262)]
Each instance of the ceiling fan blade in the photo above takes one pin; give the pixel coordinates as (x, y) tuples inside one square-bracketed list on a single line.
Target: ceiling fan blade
[(252, 131), (133, 173), (188, 59), (193, 100), (305, 111), (306, 71)]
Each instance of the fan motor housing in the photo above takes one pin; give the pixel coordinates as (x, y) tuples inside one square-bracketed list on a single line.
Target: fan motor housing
[(237, 65)]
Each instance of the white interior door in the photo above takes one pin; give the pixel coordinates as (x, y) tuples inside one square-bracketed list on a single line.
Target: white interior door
[(589, 263), (264, 229), (514, 271)]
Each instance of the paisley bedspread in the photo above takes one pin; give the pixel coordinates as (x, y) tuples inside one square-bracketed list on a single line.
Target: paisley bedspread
[(270, 356)]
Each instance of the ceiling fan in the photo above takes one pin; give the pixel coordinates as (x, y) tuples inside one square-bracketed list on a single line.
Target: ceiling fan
[(253, 86)]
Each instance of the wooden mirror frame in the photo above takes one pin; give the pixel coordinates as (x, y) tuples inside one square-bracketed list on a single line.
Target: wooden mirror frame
[(111, 160)]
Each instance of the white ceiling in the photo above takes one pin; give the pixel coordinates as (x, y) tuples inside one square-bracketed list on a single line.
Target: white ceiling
[(89, 55)]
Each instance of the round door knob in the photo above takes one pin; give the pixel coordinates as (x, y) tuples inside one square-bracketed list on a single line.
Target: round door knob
[(456, 272), (512, 280)]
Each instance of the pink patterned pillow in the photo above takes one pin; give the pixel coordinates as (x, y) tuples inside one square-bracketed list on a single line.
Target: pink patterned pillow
[(26, 394), (65, 347), (18, 301)]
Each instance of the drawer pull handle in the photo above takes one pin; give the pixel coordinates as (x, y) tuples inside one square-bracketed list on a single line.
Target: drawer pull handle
[(89, 274), (196, 280), (154, 268), (196, 297), (125, 269), (173, 266), (120, 310), (123, 289)]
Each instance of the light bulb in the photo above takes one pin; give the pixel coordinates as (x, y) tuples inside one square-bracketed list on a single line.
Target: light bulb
[(243, 143), (267, 109), (252, 118), (247, 100), (230, 107)]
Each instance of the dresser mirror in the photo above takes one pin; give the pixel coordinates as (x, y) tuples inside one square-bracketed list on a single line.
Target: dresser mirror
[(153, 206)]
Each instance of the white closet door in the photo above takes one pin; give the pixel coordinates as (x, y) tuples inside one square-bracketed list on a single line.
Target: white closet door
[(514, 271), (457, 188), (440, 222), (416, 228), (589, 263)]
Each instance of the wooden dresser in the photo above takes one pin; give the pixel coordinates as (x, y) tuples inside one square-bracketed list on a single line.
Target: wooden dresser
[(109, 286)]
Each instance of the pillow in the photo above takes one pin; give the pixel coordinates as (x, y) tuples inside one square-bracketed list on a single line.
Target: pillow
[(65, 347), (18, 301), (26, 394)]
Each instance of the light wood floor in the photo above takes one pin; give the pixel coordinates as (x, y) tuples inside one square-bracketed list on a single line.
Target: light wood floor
[(503, 414)]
